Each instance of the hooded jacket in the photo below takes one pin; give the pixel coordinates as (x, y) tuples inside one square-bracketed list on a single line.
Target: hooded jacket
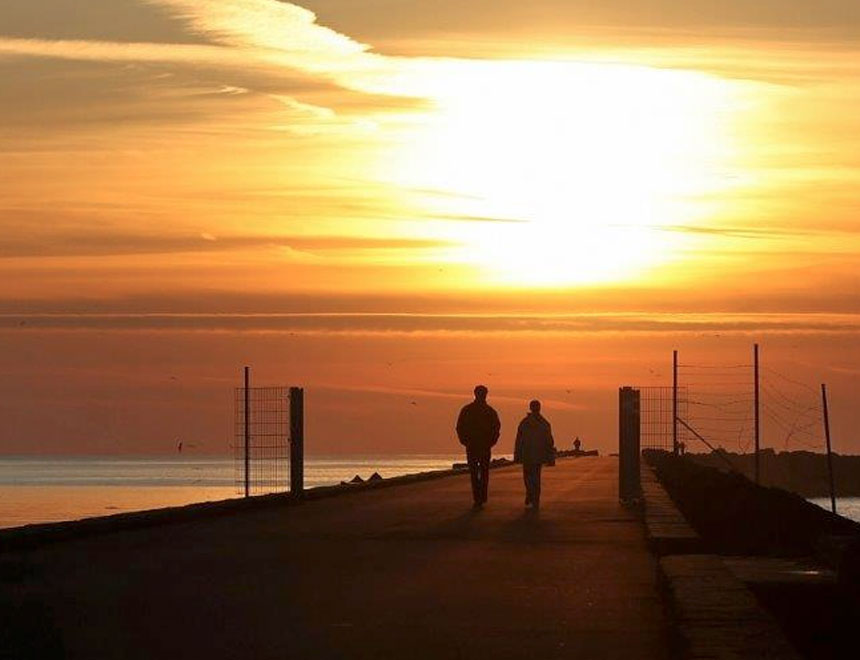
[(534, 442)]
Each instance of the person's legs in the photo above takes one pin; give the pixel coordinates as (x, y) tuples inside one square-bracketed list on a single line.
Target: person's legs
[(473, 459), (527, 482), (485, 475), (531, 477)]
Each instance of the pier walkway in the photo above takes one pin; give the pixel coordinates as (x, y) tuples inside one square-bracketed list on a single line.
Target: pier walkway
[(407, 572)]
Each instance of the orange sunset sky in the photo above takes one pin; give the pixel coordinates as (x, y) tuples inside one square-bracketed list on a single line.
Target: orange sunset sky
[(389, 201)]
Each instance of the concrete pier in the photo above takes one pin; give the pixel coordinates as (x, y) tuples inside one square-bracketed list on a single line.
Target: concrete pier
[(404, 572)]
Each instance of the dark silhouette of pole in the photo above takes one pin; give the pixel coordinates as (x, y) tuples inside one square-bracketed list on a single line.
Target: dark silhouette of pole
[(757, 418), (629, 481), (675, 402), (297, 441), (829, 452), (247, 421)]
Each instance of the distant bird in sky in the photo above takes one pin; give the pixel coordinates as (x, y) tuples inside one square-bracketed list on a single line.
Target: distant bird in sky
[(414, 403)]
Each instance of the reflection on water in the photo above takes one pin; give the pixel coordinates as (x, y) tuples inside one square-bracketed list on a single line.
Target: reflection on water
[(51, 489), (22, 505), (848, 507)]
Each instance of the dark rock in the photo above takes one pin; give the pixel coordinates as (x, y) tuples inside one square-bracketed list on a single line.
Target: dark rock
[(801, 472), (735, 516)]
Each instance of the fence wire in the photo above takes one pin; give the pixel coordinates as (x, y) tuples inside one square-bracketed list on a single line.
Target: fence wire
[(721, 404), (263, 452), (656, 416), (721, 407)]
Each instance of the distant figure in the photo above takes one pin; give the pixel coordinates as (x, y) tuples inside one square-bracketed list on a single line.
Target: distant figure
[(533, 448), (577, 445), (478, 429), (682, 448)]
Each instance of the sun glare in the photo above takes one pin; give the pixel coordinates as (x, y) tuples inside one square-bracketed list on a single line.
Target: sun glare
[(563, 173)]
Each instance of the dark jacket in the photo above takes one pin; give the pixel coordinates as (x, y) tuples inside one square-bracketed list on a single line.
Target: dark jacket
[(534, 442), (478, 426)]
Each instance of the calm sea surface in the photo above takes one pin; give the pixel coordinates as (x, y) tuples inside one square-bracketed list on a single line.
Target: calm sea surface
[(848, 507), (34, 490)]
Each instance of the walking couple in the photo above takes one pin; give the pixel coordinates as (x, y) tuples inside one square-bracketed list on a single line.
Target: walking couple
[(478, 428)]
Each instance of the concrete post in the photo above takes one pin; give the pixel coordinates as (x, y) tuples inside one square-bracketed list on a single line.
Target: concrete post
[(629, 485), (297, 441), (247, 431)]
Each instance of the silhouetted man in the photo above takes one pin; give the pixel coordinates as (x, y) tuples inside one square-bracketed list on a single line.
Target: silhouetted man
[(478, 429), (533, 448)]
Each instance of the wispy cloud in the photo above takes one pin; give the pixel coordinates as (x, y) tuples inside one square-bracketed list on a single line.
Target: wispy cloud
[(477, 218), (246, 34), (449, 395), (394, 323), (95, 244), (732, 232), (119, 51)]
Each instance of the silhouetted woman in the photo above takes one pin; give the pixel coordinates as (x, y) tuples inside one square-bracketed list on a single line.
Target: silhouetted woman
[(533, 448)]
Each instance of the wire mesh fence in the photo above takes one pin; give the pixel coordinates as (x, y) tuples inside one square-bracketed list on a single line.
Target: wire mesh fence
[(733, 408), (656, 416), (261, 439), (721, 407), (720, 404), (792, 413)]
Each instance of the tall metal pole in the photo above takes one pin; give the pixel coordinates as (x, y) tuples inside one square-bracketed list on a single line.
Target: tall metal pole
[(297, 441), (675, 402), (247, 421), (829, 452), (757, 419), (629, 480)]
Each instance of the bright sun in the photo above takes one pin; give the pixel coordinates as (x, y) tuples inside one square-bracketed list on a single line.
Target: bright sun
[(583, 166)]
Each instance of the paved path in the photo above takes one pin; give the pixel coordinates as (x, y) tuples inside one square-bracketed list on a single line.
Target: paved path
[(404, 572)]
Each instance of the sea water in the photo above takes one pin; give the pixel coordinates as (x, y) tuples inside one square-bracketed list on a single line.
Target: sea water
[(849, 507), (50, 489), (37, 489)]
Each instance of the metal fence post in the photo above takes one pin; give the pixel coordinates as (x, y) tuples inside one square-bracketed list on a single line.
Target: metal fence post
[(297, 441), (247, 432), (675, 445), (629, 483)]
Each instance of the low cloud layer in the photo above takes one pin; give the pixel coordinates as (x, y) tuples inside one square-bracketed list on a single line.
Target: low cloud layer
[(393, 323), (90, 244)]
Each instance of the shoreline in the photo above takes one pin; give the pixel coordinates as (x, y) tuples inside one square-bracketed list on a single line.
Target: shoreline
[(26, 537), (56, 490)]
